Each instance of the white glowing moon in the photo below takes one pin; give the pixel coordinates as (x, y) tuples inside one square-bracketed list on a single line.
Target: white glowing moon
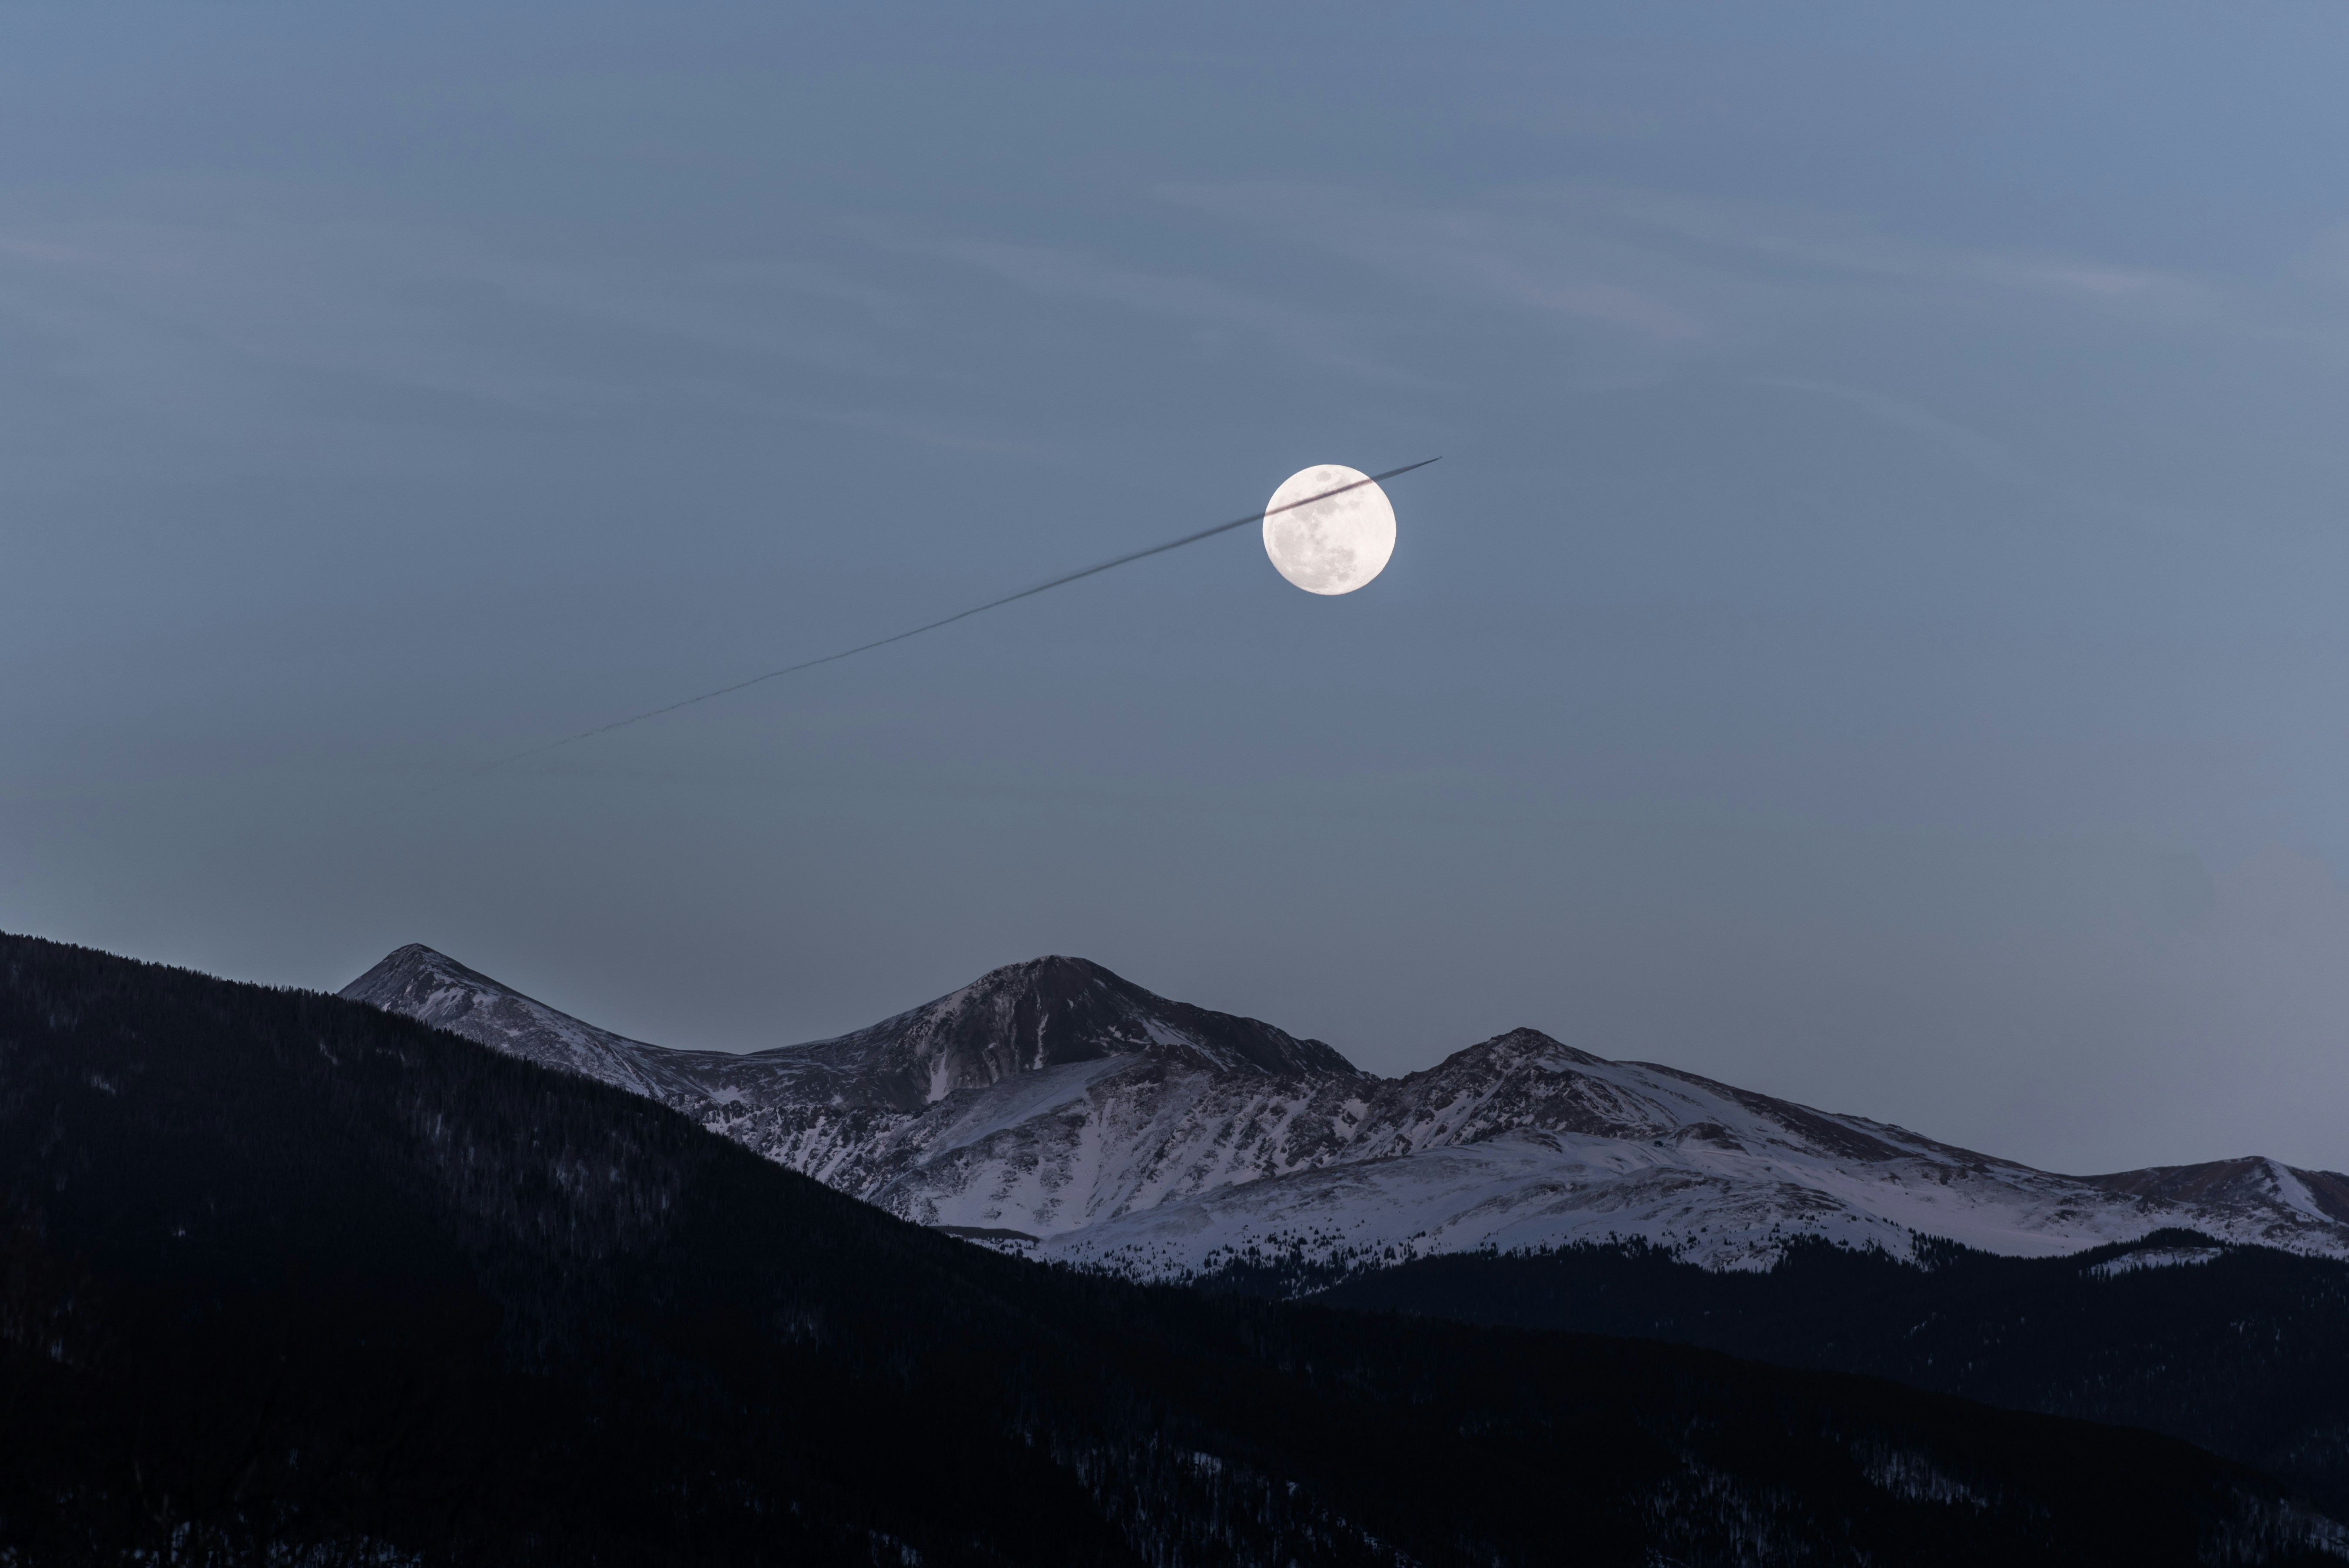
[(1333, 545)]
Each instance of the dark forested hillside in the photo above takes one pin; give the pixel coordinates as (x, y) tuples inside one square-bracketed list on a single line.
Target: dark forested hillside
[(281, 1271), (2243, 1350)]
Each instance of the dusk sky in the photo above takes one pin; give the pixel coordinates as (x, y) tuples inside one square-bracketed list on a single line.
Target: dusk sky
[(1879, 633)]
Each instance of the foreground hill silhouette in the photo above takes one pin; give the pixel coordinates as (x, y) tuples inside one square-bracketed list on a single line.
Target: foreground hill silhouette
[(280, 1272), (2238, 1349)]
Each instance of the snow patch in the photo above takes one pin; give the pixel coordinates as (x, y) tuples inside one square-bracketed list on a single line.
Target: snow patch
[(2154, 1258)]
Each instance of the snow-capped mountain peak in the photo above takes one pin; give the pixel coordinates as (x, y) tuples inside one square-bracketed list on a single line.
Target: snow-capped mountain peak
[(438, 990), (1047, 1013), (1057, 1101)]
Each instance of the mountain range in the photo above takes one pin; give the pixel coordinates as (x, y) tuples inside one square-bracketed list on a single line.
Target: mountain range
[(1058, 1109), (289, 1280)]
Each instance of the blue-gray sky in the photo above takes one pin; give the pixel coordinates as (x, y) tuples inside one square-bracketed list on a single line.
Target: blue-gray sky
[(1876, 636)]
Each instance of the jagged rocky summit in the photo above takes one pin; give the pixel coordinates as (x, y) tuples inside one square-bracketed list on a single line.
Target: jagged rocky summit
[(1062, 1108)]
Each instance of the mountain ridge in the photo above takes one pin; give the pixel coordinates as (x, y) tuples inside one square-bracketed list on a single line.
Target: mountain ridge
[(1054, 1098)]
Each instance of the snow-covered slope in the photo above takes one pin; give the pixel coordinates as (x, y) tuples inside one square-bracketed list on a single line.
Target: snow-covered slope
[(1056, 1101), (439, 991)]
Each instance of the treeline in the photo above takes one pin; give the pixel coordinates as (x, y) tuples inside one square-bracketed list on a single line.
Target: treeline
[(287, 1280), (2243, 1350)]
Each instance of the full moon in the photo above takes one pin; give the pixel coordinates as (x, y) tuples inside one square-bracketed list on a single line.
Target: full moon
[(1333, 545)]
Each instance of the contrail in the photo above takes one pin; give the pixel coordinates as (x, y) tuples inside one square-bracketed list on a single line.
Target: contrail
[(950, 620)]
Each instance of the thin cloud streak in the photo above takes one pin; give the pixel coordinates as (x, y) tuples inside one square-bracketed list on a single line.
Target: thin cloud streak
[(1306, 334), (1674, 270), (1974, 448)]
